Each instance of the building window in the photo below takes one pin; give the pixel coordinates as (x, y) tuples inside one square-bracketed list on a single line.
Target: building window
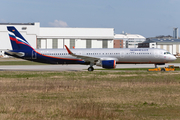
[(72, 43), (55, 44), (24, 28), (88, 43), (105, 44), (38, 43)]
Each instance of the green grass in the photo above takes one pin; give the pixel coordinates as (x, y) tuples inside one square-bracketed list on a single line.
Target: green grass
[(132, 95), (20, 63)]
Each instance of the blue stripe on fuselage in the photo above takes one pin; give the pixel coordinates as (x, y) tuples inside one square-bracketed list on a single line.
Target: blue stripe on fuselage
[(38, 57)]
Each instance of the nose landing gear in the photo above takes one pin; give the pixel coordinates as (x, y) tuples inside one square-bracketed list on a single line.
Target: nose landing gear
[(155, 65)]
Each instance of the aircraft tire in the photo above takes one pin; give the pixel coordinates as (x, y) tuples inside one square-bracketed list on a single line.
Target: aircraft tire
[(163, 69), (90, 69)]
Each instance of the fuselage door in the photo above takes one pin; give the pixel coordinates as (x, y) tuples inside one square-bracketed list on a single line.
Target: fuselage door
[(122, 54), (156, 54), (34, 55)]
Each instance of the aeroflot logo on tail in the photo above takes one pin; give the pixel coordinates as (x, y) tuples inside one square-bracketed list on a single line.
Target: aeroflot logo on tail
[(19, 40), (138, 49)]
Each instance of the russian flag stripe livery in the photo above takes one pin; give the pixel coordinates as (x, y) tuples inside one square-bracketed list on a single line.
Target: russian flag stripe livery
[(17, 40)]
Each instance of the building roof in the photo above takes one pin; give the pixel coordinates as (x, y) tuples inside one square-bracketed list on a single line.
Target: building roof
[(125, 35), (17, 23), (165, 41)]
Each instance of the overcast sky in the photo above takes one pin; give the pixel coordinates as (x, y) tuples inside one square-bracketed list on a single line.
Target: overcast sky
[(145, 17)]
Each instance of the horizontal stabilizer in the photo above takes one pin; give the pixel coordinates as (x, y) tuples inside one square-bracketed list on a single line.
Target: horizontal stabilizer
[(20, 54)]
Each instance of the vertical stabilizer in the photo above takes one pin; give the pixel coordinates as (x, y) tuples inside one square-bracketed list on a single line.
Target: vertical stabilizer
[(17, 40)]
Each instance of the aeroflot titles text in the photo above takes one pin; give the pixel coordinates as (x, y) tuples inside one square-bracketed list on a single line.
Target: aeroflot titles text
[(138, 49)]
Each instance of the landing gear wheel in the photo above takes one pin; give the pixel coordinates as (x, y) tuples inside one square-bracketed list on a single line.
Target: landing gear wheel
[(90, 69)]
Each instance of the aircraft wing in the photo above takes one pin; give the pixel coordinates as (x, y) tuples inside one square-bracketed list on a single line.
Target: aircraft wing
[(85, 58)]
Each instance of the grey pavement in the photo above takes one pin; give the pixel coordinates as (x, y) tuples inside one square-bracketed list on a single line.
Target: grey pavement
[(72, 67)]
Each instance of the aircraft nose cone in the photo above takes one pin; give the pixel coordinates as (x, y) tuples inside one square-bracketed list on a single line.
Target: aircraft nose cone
[(171, 58), (175, 58)]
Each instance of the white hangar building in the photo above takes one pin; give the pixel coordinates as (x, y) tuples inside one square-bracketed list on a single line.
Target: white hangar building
[(172, 45), (128, 40), (53, 37)]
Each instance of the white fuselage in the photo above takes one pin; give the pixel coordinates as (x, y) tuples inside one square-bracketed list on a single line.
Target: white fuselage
[(120, 55)]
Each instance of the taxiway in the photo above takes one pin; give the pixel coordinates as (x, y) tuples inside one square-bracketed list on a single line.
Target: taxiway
[(72, 67)]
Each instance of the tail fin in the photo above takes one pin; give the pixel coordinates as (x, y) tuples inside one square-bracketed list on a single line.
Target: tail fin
[(17, 40)]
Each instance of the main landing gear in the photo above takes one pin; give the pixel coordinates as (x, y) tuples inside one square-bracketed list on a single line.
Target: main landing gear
[(91, 67)]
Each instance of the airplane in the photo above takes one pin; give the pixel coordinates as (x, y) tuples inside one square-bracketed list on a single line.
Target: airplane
[(103, 57)]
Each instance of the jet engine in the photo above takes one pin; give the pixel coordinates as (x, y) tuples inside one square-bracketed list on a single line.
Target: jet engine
[(107, 64)]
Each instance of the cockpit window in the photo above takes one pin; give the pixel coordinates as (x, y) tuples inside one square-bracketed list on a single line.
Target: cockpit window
[(167, 53)]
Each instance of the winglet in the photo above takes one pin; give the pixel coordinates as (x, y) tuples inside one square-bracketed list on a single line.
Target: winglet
[(68, 50)]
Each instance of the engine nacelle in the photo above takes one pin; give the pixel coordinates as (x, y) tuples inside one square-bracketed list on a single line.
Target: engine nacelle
[(107, 64)]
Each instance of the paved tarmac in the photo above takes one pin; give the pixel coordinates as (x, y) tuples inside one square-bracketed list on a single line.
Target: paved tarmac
[(72, 67)]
